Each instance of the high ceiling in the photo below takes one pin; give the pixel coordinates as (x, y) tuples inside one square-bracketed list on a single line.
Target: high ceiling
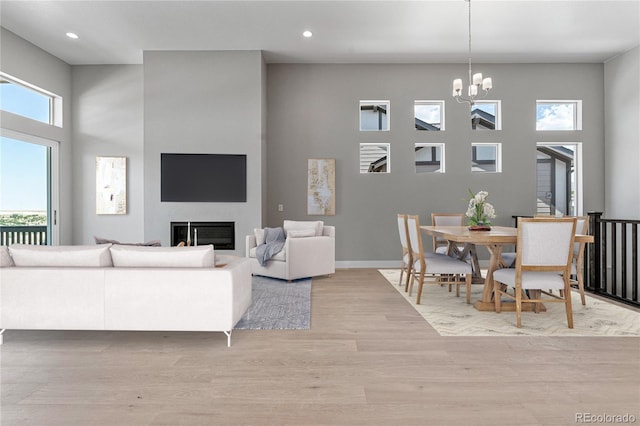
[(357, 31)]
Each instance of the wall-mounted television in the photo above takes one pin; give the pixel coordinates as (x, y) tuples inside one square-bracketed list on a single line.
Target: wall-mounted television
[(203, 177)]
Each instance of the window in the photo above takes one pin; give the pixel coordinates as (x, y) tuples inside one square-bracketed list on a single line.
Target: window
[(486, 157), (374, 115), (558, 115), (28, 188), (374, 158), (486, 115), (429, 115), (28, 101), (559, 178), (429, 158)]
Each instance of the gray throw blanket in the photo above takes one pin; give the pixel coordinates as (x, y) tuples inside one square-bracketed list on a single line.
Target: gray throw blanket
[(273, 244)]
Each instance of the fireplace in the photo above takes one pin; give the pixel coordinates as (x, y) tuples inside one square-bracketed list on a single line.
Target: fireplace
[(220, 234)]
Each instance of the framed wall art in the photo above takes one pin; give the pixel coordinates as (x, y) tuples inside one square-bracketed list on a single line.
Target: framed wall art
[(111, 185), (321, 186)]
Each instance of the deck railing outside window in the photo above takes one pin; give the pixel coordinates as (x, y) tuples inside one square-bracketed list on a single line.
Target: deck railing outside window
[(23, 235)]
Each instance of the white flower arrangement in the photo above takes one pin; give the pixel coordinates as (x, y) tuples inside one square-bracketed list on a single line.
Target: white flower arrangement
[(480, 211)]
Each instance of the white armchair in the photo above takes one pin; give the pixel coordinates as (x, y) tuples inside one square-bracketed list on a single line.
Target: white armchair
[(302, 256)]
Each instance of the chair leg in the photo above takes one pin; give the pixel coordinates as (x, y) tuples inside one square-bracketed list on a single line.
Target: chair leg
[(497, 300), (420, 284), (518, 308), (457, 281), (401, 275), (467, 281), (567, 301), (581, 286)]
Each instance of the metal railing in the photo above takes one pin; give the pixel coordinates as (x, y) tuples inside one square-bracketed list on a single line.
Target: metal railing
[(36, 235), (611, 262)]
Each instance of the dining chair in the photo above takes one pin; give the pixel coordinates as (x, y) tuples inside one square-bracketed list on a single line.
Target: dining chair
[(543, 263), (407, 258), (441, 245), (445, 269)]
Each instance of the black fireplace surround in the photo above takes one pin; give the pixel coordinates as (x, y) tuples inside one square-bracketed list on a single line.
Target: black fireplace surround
[(220, 234)]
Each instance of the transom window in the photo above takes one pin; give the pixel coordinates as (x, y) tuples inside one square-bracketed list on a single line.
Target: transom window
[(374, 158), (486, 115), (28, 101), (374, 115), (486, 157), (429, 158), (429, 115), (558, 115)]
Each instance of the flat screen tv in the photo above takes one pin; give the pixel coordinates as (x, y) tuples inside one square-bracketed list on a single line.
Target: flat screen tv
[(203, 177)]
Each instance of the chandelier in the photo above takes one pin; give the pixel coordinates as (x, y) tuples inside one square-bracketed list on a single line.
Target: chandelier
[(476, 82)]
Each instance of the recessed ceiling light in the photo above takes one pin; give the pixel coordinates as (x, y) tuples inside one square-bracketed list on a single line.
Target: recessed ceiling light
[(307, 34), (72, 35)]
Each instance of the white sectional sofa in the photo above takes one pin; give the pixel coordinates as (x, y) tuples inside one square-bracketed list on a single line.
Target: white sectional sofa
[(114, 287), (309, 251)]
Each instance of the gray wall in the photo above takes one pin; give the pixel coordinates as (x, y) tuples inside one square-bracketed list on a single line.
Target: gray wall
[(108, 121), (313, 112), (622, 123), (29, 63), (203, 102)]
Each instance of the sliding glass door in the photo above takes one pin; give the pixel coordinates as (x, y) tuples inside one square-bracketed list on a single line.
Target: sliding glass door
[(28, 189)]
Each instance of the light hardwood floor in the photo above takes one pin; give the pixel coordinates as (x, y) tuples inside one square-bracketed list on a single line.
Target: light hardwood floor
[(369, 359)]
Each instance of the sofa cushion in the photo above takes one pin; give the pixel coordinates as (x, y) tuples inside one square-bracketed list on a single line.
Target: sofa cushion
[(281, 255), (301, 233), (150, 257), (290, 225), (259, 233), (5, 257), (74, 256)]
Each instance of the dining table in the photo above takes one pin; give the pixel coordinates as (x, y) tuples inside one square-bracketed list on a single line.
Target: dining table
[(494, 239)]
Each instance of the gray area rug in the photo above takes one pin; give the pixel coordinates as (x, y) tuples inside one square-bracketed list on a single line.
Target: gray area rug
[(278, 305)]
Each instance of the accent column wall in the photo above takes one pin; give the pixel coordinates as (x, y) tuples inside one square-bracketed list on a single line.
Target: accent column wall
[(203, 102)]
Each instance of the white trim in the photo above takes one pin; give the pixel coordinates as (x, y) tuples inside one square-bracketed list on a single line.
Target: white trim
[(498, 146)]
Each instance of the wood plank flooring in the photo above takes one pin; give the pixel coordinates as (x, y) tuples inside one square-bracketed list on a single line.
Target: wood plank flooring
[(369, 359)]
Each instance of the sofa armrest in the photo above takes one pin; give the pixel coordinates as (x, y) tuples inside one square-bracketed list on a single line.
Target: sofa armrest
[(250, 242), (311, 256), (329, 231)]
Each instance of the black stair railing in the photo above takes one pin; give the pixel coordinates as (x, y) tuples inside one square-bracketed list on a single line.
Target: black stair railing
[(611, 262)]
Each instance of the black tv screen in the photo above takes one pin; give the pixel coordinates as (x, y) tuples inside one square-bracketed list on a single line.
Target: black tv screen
[(203, 177)]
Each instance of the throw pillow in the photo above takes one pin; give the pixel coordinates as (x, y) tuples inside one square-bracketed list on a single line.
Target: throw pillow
[(72, 256), (153, 243), (5, 257), (151, 257), (301, 233), (290, 225), (259, 233)]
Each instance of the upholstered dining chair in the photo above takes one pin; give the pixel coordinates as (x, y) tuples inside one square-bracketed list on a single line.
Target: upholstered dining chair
[(440, 245), (407, 259), (450, 270), (543, 263)]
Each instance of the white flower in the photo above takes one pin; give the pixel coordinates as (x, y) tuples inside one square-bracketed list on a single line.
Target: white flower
[(489, 211), (481, 196)]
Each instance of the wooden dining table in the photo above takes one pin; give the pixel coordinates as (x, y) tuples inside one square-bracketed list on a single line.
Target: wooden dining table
[(494, 240)]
